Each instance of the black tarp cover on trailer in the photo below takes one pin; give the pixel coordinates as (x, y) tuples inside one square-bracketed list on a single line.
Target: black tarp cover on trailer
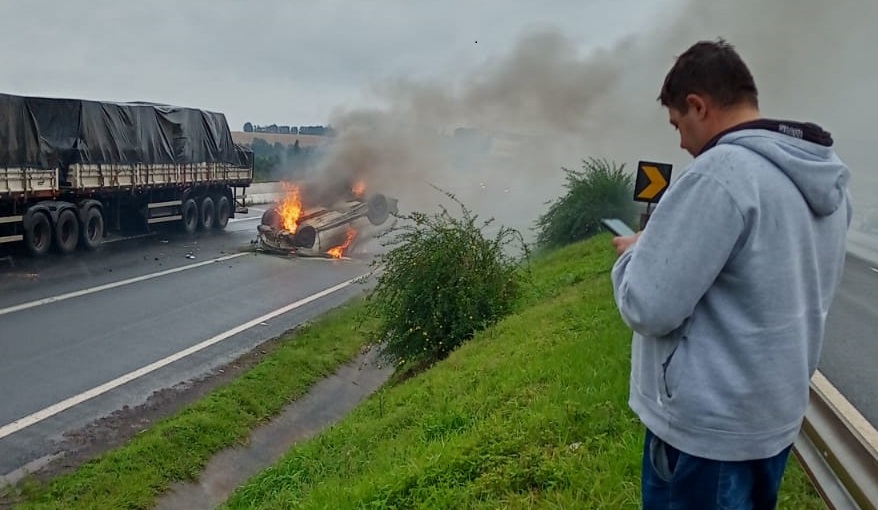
[(42, 132)]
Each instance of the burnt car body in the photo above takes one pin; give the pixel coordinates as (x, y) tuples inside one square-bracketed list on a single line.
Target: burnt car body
[(346, 223)]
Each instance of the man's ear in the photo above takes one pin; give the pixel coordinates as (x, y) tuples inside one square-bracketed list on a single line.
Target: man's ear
[(697, 104)]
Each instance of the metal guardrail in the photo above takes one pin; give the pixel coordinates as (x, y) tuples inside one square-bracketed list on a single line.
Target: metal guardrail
[(838, 448)]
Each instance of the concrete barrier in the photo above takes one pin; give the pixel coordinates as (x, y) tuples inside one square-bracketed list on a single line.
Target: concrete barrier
[(262, 193)]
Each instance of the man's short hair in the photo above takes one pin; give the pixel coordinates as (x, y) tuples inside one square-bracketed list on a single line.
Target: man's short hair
[(710, 68)]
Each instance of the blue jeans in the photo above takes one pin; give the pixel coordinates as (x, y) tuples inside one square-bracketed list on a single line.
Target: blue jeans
[(674, 480)]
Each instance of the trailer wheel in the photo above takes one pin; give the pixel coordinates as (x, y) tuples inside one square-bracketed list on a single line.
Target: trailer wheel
[(223, 212), (306, 237), (189, 211), (378, 211), (92, 229), (67, 231), (206, 214), (272, 218), (38, 235)]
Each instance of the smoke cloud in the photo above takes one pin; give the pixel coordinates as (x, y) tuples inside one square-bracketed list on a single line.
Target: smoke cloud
[(546, 104)]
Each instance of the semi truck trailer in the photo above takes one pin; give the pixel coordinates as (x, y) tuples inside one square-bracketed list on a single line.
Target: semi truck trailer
[(74, 171)]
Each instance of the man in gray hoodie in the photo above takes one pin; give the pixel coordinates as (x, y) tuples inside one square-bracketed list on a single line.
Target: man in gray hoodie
[(727, 289)]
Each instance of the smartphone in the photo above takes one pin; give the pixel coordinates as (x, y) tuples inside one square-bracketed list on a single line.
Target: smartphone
[(617, 226)]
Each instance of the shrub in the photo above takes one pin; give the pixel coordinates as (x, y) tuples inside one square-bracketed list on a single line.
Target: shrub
[(441, 280), (600, 190)]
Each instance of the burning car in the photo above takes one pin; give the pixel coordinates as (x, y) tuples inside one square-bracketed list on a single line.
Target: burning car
[(325, 231)]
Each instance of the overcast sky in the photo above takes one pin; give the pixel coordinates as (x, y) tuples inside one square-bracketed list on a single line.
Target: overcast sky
[(275, 61), (317, 61)]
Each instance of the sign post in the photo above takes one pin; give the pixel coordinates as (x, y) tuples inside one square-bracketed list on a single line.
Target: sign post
[(651, 183)]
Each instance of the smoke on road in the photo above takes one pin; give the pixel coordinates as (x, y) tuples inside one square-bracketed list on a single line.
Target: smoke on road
[(547, 104)]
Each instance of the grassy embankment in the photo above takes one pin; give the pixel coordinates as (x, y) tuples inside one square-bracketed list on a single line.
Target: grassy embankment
[(530, 414)]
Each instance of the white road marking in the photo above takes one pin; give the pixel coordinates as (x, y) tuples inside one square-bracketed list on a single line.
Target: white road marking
[(106, 286), (874, 269), (54, 409)]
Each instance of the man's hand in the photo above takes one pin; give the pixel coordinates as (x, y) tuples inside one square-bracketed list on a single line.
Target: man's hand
[(623, 242)]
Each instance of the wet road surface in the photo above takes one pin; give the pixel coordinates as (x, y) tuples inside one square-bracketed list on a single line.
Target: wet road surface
[(69, 325), (850, 353)]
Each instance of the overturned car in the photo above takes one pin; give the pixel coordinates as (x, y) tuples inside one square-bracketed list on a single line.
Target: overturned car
[(325, 231)]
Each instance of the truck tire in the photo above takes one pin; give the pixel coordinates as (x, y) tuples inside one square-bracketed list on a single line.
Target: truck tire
[(206, 214), (378, 211), (189, 211), (38, 235), (223, 212), (92, 229), (67, 231)]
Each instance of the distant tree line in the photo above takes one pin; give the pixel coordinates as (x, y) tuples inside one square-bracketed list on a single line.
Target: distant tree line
[(282, 161), (289, 130)]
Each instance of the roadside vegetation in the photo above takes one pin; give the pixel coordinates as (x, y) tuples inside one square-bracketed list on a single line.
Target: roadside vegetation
[(511, 389), (279, 161), (531, 413), (442, 280), (602, 189)]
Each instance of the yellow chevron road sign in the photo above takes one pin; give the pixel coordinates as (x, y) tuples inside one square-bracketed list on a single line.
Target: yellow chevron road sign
[(652, 181)]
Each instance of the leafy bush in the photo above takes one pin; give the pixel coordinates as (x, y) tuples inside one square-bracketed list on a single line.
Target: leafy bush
[(441, 281), (600, 190)]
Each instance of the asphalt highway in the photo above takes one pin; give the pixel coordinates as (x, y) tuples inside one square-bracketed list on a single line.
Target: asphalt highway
[(850, 352), (71, 325)]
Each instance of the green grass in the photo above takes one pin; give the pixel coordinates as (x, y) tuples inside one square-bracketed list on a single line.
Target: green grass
[(532, 413), (177, 448)]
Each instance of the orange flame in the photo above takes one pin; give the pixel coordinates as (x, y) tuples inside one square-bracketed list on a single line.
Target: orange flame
[(359, 189), (338, 251), (290, 208)]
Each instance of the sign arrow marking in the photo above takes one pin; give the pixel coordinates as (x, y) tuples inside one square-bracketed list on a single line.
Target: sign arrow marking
[(657, 183)]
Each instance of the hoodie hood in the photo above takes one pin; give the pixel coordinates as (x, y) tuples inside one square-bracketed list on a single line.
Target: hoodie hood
[(802, 151)]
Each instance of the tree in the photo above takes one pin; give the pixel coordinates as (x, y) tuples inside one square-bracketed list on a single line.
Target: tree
[(264, 167), (248, 127), (261, 147), (293, 151)]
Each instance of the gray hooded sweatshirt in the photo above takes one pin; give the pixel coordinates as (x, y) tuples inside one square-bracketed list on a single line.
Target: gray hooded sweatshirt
[(728, 288)]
